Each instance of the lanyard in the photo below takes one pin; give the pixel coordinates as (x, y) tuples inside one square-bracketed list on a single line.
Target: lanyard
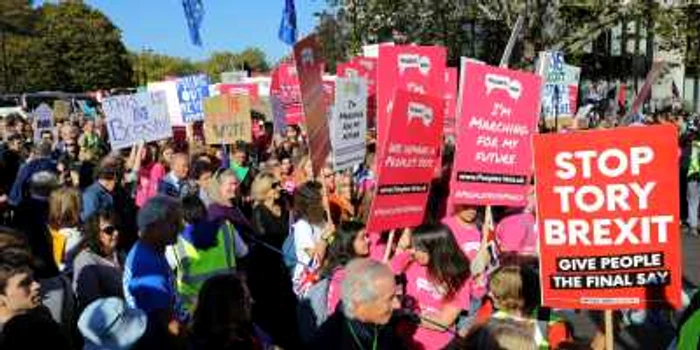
[(357, 339)]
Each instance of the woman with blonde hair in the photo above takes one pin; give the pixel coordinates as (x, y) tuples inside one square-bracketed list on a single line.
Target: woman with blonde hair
[(303, 171), (270, 211), (64, 222)]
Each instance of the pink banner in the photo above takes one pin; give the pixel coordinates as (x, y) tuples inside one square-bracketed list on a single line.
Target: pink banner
[(419, 69), (493, 159), (240, 88), (285, 87), (307, 55), (450, 100), (406, 169)]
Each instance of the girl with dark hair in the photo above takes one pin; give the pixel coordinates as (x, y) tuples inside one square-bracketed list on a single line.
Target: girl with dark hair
[(223, 318), (97, 270), (307, 241), (437, 274), (350, 242)]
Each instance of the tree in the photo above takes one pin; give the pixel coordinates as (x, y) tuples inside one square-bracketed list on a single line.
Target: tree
[(73, 48)]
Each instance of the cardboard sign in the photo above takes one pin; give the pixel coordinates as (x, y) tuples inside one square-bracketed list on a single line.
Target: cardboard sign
[(191, 92), (241, 88), (285, 86), (498, 113), (227, 119), (608, 216), (406, 169), (349, 123), (170, 89), (450, 101), (61, 110), (309, 61), (419, 69), (135, 118), (43, 120)]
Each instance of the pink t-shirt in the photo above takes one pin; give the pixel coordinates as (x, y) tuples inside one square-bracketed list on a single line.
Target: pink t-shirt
[(149, 177), (428, 298), (335, 289), (469, 239), (517, 233)]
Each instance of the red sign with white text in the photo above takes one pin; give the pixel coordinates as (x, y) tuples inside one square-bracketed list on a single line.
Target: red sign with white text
[(406, 169), (450, 100), (608, 216), (307, 55), (419, 69), (285, 87), (240, 88), (493, 159)]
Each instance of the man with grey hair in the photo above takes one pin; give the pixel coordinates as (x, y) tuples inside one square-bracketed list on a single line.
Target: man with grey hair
[(368, 302), (148, 282)]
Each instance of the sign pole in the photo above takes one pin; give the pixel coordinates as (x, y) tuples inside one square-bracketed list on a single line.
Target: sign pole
[(389, 243), (609, 337), (511, 41)]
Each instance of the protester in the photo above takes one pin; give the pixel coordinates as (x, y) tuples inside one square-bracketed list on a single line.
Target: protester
[(40, 160), (148, 282), (517, 233), (154, 166), (174, 184), (108, 323), (24, 322), (310, 233), (97, 270), (204, 249), (508, 289), (99, 196), (223, 318), (350, 241), (202, 171), (270, 210), (64, 223), (369, 299), (438, 288)]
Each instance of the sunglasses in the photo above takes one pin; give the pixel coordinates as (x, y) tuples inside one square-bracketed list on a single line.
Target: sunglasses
[(109, 230)]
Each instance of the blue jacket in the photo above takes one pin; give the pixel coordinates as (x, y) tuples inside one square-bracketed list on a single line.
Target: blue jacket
[(20, 189), (95, 198)]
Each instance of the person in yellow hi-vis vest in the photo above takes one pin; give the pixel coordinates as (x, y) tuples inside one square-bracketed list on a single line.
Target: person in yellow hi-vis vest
[(204, 249), (693, 194)]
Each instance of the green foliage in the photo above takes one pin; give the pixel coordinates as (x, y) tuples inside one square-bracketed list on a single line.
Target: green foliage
[(149, 67), (72, 47)]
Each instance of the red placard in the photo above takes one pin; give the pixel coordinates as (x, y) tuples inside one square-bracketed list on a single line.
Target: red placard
[(450, 101), (285, 87), (309, 61), (240, 88), (498, 113), (608, 218), (419, 69), (406, 169)]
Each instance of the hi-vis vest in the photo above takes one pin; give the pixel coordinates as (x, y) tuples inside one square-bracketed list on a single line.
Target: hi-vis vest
[(694, 166), (541, 324), (195, 266)]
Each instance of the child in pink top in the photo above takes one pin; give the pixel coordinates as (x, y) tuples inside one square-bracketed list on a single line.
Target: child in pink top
[(463, 224), (151, 172), (350, 242), (438, 289)]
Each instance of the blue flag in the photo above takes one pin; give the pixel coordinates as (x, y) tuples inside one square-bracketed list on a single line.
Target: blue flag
[(288, 24), (194, 13)]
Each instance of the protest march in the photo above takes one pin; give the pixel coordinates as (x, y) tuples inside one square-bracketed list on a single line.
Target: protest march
[(400, 194)]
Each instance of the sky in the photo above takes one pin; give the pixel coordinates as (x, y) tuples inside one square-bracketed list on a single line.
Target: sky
[(231, 25)]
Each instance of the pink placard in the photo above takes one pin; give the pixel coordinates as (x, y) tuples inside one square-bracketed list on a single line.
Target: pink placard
[(498, 115), (406, 169)]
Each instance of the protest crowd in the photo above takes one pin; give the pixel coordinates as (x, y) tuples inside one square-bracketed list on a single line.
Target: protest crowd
[(406, 227)]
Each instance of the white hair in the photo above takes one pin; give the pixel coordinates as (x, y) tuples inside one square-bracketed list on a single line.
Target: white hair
[(360, 283), (43, 183)]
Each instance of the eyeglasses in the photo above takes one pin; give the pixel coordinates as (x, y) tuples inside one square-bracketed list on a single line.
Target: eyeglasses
[(109, 230)]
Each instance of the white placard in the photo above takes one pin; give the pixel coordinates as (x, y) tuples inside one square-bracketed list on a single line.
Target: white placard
[(138, 117), (349, 123), (43, 120)]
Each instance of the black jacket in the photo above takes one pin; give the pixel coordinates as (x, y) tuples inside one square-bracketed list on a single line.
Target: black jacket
[(336, 333)]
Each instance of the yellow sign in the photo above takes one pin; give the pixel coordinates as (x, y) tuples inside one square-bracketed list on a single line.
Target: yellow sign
[(227, 119)]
